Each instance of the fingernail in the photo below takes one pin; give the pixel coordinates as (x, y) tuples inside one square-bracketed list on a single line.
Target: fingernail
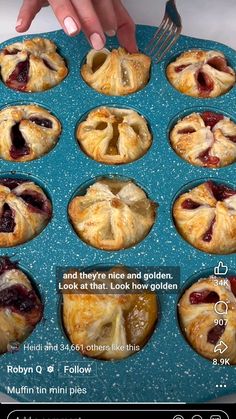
[(111, 32), (70, 25), (96, 41), (18, 23)]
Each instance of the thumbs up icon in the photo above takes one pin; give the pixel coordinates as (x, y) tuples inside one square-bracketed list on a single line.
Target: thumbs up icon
[(221, 269)]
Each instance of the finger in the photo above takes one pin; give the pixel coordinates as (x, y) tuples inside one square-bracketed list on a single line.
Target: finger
[(106, 13), (90, 23), (125, 27), (28, 11), (66, 15)]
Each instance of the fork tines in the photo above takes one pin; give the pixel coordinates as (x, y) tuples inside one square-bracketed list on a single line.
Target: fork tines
[(167, 34)]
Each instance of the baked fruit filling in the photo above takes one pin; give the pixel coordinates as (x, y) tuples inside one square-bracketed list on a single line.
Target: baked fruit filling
[(24, 211), (20, 306), (205, 217), (215, 334), (211, 133), (32, 65), (19, 147), (112, 325), (201, 297), (114, 136), (36, 201), (42, 122), (201, 74), (202, 325), (7, 220), (204, 82), (27, 132), (19, 78)]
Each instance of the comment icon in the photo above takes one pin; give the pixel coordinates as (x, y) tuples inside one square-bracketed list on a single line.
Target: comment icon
[(221, 307)]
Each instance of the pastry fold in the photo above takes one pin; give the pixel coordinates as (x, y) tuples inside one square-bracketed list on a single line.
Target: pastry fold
[(112, 215), (201, 73), (203, 327), (114, 136), (116, 72)]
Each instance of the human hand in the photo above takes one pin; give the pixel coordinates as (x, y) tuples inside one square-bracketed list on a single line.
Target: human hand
[(94, 17)]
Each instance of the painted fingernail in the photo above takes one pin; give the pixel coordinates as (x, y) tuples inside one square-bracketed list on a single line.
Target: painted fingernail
[(96, 41), (70, 25), (18, 23), (111, 32)]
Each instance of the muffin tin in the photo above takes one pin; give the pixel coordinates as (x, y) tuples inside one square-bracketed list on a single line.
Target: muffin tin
[(167, 368)]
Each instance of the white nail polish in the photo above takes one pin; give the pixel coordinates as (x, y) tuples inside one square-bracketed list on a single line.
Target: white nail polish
[(96, 41), (70, 25), (18, 23)]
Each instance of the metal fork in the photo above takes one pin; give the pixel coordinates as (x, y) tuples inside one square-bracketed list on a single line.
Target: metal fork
[(167, 34)]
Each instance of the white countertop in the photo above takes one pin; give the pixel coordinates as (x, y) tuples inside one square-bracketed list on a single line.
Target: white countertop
[(209, 19)]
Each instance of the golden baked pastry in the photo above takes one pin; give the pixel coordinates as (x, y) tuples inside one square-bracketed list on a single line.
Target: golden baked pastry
[(112, 215), (205, 139), (25, 211), (114, 136), (20, 307), (116, 72), (32, 65), (202, 326), (206, 217), (27, 132), (200, 73), (109, 326)]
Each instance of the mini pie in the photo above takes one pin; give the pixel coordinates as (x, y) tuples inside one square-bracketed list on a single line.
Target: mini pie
[(205, 139), (116, 72), (114, 136), (32, 65), (206, 217), (112, 215), (200, 73), (25, 211), (20, 306), (109, 326), (203, 327), (27, 132)]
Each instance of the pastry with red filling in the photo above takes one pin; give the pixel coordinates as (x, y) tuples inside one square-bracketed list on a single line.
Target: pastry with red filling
[(201, 74), (20, 306), (27, 132), (33, 65), (205, 139), (25, 211), (206, 217), (201, 325)]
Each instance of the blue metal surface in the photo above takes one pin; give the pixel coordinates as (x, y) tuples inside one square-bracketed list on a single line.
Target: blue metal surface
[(167, 369)]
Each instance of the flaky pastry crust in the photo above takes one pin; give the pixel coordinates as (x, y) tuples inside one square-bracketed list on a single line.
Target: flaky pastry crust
[(25, 211), (27, 132), (206, 217), (112, 215), (105, 326), (32, 65), (205, 139), (20, 308), (116, 72), (114, 136), (201, 73), (203, 327)]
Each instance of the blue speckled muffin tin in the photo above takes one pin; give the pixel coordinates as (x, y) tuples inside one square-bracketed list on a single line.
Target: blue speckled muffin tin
[(167, 369)]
